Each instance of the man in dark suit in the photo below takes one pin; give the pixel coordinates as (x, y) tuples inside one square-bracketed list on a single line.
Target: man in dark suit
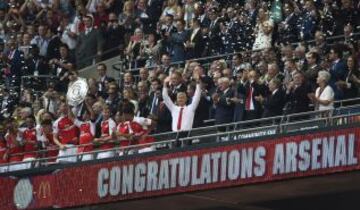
[(153, 9), (289, 27), (224, 107), (338, 70), (313, 69), (275, 101), (195, 43), (297, 94), (202, 111), (90, 44), (15, 59), (114, 36), (177, 42), (102, 79), (176, 85), (214, 41), (252, 89), (201, 15)]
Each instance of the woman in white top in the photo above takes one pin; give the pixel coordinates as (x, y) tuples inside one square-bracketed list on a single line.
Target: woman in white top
[(263, 30), (324, 95)]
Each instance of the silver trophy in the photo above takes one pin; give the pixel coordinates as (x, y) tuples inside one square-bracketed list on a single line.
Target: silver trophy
[(77, 92)]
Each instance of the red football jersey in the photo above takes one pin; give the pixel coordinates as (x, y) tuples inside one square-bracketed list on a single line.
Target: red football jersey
[(66, 130), (3, 150), (13, 148), (107, 127), (30, 141)]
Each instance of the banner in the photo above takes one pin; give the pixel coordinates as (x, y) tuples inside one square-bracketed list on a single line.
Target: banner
[(235, 164)]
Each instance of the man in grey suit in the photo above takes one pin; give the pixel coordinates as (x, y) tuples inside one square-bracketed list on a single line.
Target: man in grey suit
[(90, 44)]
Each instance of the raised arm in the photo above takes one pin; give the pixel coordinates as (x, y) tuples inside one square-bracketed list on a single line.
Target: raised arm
[(197, 95), (167, 100)]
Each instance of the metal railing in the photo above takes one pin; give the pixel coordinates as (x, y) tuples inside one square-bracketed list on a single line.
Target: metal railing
[(224, 132)]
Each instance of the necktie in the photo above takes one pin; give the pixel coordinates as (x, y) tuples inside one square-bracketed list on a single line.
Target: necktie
[(248, 98), (154, 105), (180, 118)]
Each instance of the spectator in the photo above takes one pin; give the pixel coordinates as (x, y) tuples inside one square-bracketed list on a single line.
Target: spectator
[(176, 85), (133, 49), (113, 99), (202, 111), (15, 60), (288, 28), (143, 99), (41, 40), (114, 39), (61, 67), (338, 70), (324, 95), (195, 43), (36, 64), (349, 86), (275, 101), (297, 93), (102, 70), (250, 89), (264, 28), (90, 44), (313, 69), (213, 43), (224, 107), (177, 41)]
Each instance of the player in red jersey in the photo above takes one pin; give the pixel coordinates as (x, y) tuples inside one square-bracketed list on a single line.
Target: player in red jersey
[(87, 132), (3, 151), (30, 141), (130, 132), (14, 145), (46, 137), (65, 135), (108, 126)]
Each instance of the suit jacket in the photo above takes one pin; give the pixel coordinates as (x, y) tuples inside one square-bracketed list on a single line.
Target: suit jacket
[(177, 41), (290, 33), (16, 62), (114, 38), (224, 111), (311, 75), (154, 10), (214, 44), (274, 103), (199, 44), (36, 64), (297, 99), (338, 72), (87, 47), (175, 90), (202, 112), (258, 89)]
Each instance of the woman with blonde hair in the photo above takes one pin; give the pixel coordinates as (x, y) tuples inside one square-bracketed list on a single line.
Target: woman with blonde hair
[(263, 30), (324, 94), (172, 8), (127, 17)]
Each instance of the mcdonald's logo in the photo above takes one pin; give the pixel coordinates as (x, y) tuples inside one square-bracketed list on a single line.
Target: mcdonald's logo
[(44, 190)]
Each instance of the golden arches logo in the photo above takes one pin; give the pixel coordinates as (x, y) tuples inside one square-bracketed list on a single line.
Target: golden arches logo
[(44, 190)]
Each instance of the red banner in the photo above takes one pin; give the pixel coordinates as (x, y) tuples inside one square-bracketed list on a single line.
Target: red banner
[(206, 168)]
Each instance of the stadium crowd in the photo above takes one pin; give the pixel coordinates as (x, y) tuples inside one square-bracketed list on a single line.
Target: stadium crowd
[(278, 57)]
